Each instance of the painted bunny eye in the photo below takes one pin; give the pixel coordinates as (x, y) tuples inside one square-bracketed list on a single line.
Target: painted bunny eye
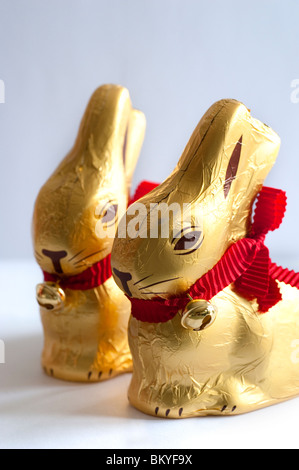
[(110, 214), (189, 242)]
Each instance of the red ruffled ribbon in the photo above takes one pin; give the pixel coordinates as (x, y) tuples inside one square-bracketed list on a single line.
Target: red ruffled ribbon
[(91, 278), (144, 188), (100, 272), (246, 263)]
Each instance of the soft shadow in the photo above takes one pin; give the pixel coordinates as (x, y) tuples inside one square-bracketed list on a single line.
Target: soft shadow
[(22, 369), (25, 388)]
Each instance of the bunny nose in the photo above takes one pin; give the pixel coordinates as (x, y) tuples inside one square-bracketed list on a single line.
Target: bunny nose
[(55, 257), (124, 279)]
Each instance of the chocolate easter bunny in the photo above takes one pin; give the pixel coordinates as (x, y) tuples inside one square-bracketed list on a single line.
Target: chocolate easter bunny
[(215, 324), (84, 314)]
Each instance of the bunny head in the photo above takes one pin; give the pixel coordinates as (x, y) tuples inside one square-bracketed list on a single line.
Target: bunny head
[(184, 226), (90, 188)]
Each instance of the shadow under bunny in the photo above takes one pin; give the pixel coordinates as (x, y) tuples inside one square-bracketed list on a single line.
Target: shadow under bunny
[(26, 389)]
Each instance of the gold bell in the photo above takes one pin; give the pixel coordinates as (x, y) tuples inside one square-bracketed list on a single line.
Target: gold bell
[(198, 315), (50, 296)]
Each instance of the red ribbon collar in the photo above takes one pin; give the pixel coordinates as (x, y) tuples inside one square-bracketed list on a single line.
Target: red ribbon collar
[(246, 263), (91, 278)]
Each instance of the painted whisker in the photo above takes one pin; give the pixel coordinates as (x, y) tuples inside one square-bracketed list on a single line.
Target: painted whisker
[(89, 256), (143, 279), (154, 293), (75, 256), (160, 282)]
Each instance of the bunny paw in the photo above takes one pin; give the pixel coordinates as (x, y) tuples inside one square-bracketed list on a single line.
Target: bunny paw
[(179, 413), (226, 409), (97, 376), (49, 372), (168, 413)]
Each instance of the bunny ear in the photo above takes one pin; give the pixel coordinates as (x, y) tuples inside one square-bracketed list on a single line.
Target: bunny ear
[(103, 128), (133, 141), (232, 168), (229, 153)]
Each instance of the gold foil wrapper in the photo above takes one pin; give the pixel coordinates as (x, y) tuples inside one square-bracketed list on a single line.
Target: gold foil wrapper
[(86, 331), (244, 360)]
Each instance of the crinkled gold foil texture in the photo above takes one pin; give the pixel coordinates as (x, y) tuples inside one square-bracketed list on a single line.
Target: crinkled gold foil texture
[(86, 332), (244, 360)]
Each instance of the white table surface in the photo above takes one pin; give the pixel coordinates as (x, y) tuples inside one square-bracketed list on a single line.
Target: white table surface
[(39, 412)]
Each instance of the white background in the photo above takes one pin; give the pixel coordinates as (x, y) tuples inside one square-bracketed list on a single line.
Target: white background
[(176, 57)]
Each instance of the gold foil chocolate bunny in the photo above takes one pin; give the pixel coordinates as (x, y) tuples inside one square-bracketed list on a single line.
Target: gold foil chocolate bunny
[(215, 324), (84, 314)]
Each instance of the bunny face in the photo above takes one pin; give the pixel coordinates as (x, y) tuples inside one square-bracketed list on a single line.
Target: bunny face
[(66, 240), (77, 210), (212, 191)]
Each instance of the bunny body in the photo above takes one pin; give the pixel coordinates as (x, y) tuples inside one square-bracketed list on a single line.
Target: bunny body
[(86, 328), (245, 360)]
